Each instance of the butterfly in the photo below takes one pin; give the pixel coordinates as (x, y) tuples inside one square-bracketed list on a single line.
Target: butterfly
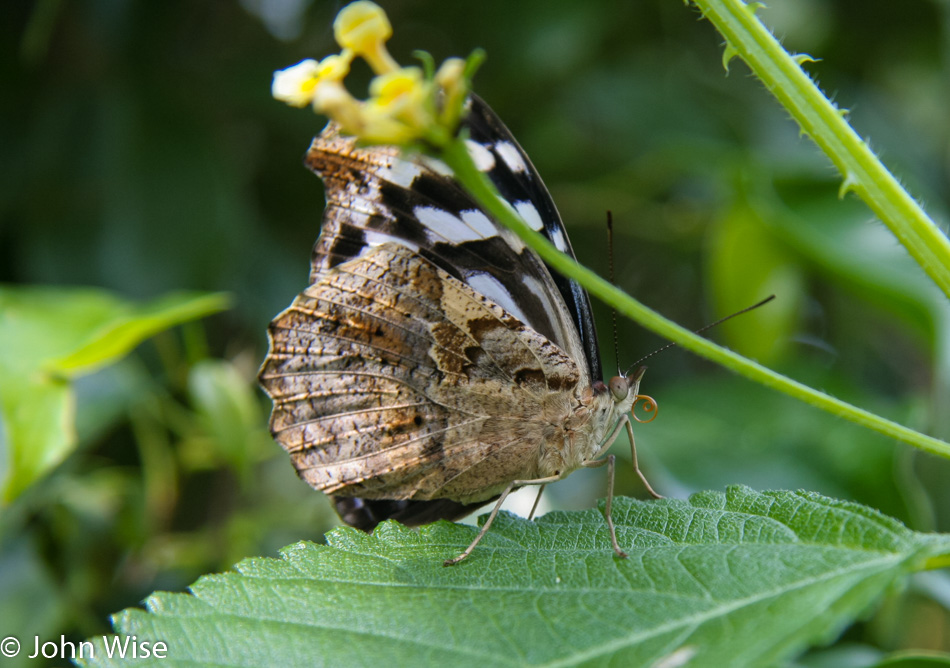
[(435, 363)]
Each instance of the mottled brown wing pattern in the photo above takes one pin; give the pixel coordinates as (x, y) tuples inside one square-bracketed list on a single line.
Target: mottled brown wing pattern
[(393, 380)]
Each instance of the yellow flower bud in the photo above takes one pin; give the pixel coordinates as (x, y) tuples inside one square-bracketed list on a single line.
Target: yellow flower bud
[(360, 24), (451, 79), (451, 74), (402, 95), (363, 28)]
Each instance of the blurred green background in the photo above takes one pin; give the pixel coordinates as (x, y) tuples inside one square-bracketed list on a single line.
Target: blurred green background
[(142, 153)]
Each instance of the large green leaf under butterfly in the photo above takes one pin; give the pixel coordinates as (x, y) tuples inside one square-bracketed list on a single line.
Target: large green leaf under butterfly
[(739, 579)]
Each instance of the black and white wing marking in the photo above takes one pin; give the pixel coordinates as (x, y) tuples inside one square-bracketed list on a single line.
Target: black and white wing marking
[(515, 177)]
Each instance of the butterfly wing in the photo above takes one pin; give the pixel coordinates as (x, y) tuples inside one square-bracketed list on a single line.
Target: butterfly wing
[(375, 197)]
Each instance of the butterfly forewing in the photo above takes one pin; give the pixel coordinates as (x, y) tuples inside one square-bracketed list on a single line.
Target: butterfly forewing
[(517, 180), (375, 195)]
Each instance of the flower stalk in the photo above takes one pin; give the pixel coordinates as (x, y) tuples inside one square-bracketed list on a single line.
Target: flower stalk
[(457, 157)]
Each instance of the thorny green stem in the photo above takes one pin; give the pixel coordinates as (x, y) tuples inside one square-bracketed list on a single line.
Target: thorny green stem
[(818, 117)]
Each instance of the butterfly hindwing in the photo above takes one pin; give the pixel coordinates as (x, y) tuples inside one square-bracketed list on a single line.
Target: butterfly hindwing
[(393, 380)]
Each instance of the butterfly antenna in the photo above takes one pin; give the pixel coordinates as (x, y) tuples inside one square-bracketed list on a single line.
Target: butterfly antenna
[(704, 328), (610, 269)]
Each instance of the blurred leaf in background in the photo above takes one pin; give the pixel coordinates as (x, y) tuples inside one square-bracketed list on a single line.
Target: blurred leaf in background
[(50, 336), (142, 154)]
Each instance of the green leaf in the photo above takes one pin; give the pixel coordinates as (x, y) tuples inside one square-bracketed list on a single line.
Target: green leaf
[(915, 660), (49, 336), (39, 418), (128, 325), (738, 579)]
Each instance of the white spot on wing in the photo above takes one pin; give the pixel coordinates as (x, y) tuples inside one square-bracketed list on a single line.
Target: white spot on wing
[(436, 166), (490, 286), (479, 223), (556, 234), (548, 309), (401, 173), (372, 238), (530, 214), (483, 158), (512, 157), (444, 226)]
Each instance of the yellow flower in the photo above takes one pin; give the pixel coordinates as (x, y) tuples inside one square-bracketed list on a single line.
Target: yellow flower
[(298, 84), (405, 105), (403, 93), (335, 67), (399, 109), (294, 85), (363, 28)]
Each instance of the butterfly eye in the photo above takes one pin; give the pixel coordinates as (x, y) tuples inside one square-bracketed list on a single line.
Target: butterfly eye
[(619, 388)]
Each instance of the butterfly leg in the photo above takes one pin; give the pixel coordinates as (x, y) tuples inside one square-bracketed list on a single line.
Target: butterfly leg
[(609, 461), (633, 455), (494, 511), (537, 500), (624, 422)]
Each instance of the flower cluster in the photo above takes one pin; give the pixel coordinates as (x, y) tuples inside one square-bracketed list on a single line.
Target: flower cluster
[(406, 106)]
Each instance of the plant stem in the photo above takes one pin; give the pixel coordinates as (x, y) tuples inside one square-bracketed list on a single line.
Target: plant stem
[(457, 157), (863, 172)]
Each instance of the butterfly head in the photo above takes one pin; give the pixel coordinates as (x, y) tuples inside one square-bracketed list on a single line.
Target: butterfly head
[(611, 402), (624, 390), (623, 387)]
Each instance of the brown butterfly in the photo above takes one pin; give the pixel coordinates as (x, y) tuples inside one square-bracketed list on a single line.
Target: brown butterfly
[(435, 363)]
